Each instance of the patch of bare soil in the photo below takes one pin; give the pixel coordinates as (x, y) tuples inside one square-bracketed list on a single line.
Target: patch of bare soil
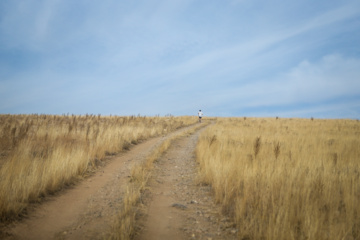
[(177, 206), (84, 211)]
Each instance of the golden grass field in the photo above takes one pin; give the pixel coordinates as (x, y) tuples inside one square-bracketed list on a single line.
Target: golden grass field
[(40, 154), (285, 178), (277, 178)]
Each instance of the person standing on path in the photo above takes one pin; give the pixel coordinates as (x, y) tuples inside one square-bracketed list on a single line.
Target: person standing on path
[(200, 114)]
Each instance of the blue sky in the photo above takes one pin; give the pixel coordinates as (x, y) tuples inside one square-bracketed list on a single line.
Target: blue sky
[(228, 58)]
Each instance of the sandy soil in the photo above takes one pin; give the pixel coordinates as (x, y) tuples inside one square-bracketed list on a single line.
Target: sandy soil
[(176, 206)]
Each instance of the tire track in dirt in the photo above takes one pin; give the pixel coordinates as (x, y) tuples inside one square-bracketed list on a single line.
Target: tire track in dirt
[(178, 207), (85, 211)]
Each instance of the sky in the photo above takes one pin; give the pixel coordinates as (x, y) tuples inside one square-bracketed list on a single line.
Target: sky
[(254, 58)]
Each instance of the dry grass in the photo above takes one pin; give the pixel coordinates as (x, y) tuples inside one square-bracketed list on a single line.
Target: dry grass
[(285, 178), (123, 227), (39, 154)]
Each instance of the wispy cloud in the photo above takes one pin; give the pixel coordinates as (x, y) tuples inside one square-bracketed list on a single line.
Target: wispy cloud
[(227, 58), (333, 78)]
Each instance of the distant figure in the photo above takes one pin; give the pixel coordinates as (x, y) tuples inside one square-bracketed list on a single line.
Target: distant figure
[(200, 114)]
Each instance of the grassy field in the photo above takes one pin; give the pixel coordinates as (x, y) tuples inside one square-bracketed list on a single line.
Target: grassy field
[(40, 154), (285, 178)]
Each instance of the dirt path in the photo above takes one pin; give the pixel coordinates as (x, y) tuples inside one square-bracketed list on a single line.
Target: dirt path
[(178, 207), (85, 210)]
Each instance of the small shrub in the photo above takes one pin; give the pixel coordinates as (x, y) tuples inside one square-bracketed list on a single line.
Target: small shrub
[(277, 150), (257, 146)]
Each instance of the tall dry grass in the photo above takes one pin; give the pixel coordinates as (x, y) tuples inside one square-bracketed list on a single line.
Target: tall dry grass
[(39, 154), (285, 178)]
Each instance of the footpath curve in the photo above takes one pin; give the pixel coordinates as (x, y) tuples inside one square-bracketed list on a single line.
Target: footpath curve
[(85, 210), (178, 206)]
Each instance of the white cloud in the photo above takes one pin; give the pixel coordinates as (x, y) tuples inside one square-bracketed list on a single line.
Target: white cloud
[(332, 77)]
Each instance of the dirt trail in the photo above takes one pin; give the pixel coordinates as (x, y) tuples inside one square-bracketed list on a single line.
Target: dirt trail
[(178, 207), (85, 210)]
